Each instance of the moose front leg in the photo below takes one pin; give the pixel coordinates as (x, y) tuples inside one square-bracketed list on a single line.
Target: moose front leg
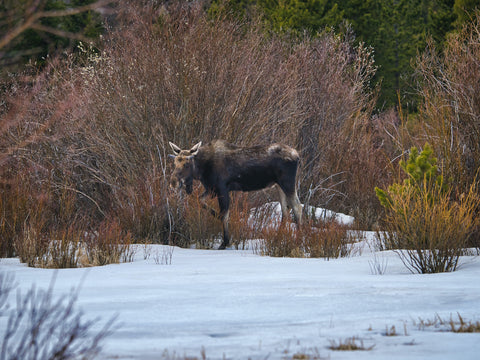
[(223, 214), (224, 203)]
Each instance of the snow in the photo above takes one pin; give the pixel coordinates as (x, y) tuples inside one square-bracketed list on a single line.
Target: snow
[(235, 304), (274, 210)]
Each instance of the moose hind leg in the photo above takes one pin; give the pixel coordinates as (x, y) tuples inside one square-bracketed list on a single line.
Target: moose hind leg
[(283, 204), (295, 204)]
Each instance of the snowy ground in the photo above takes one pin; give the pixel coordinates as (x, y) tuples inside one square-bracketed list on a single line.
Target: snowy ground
[(238, 305)]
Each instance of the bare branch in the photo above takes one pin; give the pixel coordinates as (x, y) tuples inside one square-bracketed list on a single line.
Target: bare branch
[(74, 11), (33, 16), (61, 33)]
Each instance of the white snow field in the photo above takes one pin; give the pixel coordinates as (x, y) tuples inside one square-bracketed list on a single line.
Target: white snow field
[(235, 304)]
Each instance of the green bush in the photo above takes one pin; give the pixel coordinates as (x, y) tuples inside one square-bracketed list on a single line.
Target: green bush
[(423, 224)]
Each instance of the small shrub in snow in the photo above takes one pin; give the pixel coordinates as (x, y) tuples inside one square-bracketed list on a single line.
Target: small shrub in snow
[(109, 245), (427, 229), (329, 240), (390, 331), (378, 266), (349, 344), (70, 247), (58, 248), (281, 241), (165, 256), (463, 326), (313, 354)]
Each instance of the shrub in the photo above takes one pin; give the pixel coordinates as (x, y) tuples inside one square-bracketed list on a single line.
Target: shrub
[(199, 226), (72, 246), (43, 328), (331, 240), (108, 245), (20, 206), (240, 227), (146, 209), (326, 240), (281, 241), (423, 224)]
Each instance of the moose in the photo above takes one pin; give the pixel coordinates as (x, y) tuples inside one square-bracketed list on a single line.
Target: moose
[(222, 167)]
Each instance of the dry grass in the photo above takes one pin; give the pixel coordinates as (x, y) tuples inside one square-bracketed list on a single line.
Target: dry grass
[(349, 344), (313, 354), (72, 247), (458, 326), (462, 326)]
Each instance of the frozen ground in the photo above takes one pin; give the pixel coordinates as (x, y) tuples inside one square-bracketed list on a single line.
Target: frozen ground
[(238, 305)]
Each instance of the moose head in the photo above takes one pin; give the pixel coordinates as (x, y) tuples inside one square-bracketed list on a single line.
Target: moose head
[(184, 171)]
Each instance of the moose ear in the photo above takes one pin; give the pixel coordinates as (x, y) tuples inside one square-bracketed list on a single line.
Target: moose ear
[(194, 150), (175, 148)]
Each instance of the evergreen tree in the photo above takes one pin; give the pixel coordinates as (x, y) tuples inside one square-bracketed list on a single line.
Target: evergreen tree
[(45, 34), (313, 15), (463, 9), (396, 29)]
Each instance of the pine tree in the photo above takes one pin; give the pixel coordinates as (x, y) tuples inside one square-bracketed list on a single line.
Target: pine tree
[(297, 15), (422, 173)]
